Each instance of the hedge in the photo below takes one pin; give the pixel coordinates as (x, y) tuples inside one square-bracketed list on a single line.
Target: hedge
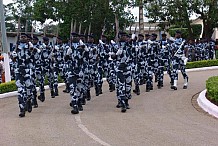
[(212, 88), (11, 86), (203, 63)]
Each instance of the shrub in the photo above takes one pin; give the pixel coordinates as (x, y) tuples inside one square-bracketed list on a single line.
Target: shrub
[(212, 88), (8, 87), (203, 63)]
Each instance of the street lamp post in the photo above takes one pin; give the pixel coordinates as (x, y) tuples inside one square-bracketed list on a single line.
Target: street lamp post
[(4, 44)]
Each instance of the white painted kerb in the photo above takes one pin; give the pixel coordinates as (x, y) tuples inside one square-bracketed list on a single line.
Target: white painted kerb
[(206, 105)]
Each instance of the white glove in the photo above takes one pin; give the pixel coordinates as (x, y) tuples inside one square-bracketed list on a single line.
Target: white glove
[(111, 53), (133, 36), (81, 42), (100, 42), (69, 51), (14, 54), (172, 39), (150, 42), (56, 48), (112, 42), (185, 60), (119, 52), (30, 45)]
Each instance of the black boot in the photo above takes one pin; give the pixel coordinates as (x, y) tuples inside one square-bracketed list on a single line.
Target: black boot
[(123, 106), (97, 91), (127, 103), (34, 103), (75, 109), (83, 100), (80, 107), (41, 97), (67, 89), (159, 85), (29, 105), (100, 89), (137, 90), (118, 104), (22, 112), (88, 96), (52, 94), (56, 92), (148, 88), (34, 100)]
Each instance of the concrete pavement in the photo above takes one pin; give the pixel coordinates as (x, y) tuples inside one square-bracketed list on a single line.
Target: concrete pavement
[(160, 117)]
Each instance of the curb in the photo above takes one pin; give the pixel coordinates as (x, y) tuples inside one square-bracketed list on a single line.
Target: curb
[(206, 105), (14, 93)]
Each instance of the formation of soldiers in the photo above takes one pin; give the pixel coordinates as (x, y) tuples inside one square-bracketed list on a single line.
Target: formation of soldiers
[(82, 64)]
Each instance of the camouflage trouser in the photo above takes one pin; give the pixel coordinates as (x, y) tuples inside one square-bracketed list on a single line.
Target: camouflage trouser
[(124, 83), (111, 79), (76, 87), (48, 71), (178, 63), (24, 86), (163, 63), (58, 68), (40, 79)]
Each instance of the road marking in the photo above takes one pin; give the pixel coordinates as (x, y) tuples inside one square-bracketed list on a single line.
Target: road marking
[(87, 132)]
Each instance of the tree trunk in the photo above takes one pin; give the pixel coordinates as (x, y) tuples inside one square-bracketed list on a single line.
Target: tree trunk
[(208, 30)]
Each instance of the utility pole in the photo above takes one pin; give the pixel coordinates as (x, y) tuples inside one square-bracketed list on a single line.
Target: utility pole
[(141, 16), (4, 44)]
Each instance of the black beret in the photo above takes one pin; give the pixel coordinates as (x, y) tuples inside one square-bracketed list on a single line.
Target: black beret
[(164, 34), (178, 31), (147, 35), (154, 34), (59, 38), (45, 38), (23, 34), (141, 35), (35, 38)]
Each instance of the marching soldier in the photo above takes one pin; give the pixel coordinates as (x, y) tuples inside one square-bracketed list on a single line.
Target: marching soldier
[(24, 59), (47, 68), (179, 60), (58, 54), (75, 55), (124, 72)]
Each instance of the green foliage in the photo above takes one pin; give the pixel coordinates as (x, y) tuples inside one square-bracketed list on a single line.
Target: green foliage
[(203, 63), (197, 28), (8, 87), (178, 12), (212, 88)]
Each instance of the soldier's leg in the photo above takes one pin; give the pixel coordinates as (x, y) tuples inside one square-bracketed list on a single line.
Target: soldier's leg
[(185, 76), (34, 100), (175, 67), (73, 93), (41, 79), (160, 73), (128, 85), (21, 94), (121, 92), (55, 76), (50, 76)]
